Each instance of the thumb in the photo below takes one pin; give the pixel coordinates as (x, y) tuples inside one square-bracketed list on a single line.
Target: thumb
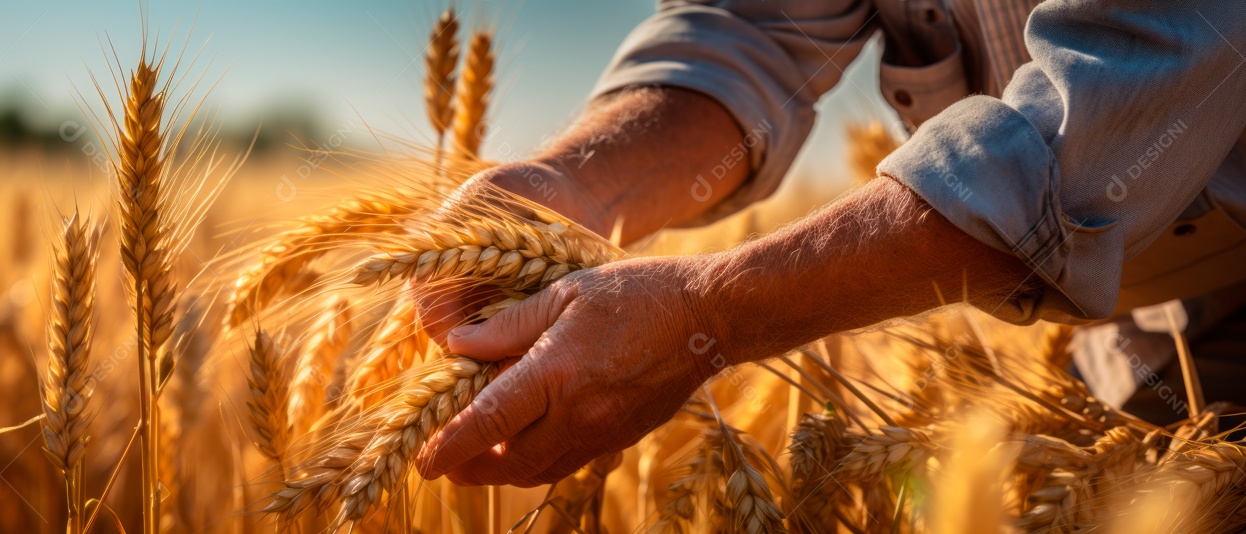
[(514, 330)]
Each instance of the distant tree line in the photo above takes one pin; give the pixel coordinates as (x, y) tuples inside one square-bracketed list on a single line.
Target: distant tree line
[(281, 129)]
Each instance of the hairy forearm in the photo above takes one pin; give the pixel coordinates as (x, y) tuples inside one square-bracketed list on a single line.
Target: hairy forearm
[(635, 156), (876, 255)]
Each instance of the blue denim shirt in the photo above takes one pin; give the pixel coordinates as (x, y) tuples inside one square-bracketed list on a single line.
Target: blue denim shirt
[(1093, 126)]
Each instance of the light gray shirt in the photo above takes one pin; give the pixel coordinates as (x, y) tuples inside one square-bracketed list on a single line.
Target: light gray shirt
[(1096, 130)]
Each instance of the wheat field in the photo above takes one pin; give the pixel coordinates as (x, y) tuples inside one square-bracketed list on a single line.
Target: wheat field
[(174, 362)]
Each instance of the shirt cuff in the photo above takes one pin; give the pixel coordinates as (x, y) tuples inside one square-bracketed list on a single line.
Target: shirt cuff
[(984, 166), (724, 57)]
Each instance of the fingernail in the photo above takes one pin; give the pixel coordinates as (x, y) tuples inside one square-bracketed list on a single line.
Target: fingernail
[(465, 330)]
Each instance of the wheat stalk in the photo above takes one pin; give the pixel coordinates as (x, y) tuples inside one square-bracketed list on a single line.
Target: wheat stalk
[(331, 332), (515, 255), (282, 269), (891, 448), (399, 344), (374, 455), (817, 443), (336, 388), (181, 417), (1056, 341), (440, 60), (146, 256), (1046, 453), (868, 145), (472, 99), (1211, 476), (1079, 481), (68, 385), (144, 230), (750, 505), (270, 394), (581, 495), (679, 513)]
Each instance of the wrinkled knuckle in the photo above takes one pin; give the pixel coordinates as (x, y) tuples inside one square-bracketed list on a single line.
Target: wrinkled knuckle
[(505, 322), (599, 416), (560, 296), (493, 426), (567, 288), (557, 376)]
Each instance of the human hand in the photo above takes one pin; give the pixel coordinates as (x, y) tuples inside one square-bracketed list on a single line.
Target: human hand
[(547, 183), (605, 359), (613, 164)]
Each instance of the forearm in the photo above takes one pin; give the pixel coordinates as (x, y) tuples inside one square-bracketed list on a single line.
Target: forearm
[(874, 256), (635, 156)]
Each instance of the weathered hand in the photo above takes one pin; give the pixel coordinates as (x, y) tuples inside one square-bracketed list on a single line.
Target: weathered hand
[(605, 359), (547, 184)]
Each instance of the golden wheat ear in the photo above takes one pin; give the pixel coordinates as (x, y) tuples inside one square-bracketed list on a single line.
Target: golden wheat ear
[(868, 145), (372, 454), (472, 98), (330, 337), (284, 268), (441, 58), (815, 443), (487, 243), (68, 385), (168, 171), (399, 343), (694, 493), (270, 394)]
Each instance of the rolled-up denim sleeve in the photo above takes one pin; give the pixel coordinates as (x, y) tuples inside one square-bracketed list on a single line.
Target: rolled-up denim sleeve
[(765, 62), (1096, 147)]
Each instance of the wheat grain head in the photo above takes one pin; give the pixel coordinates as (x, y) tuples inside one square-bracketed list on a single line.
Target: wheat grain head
[(472, 98), (441, 57), (68, 385), (354, 468), (270, 393), (331, 332)]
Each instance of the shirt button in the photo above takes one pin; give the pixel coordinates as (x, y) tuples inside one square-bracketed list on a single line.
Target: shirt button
[(904, 98)]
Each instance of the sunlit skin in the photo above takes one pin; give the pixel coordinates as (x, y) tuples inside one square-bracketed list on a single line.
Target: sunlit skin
[(608, 354)]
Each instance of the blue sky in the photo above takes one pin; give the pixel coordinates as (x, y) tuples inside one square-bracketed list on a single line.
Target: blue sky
[(348, 59)]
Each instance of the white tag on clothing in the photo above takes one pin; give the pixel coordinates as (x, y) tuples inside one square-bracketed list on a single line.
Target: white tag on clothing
[(1155, 318), (1103, 366)]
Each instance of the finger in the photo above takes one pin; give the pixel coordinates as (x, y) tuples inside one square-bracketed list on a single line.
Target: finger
[(514, 330), (520, 458), (563, 468), (504, 408), (439, 317), (443, 309), (465, 477)]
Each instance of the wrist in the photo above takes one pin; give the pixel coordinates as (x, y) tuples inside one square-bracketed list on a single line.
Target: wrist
[(550, 183), (592, 194), (713, 313), (759, 302)]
